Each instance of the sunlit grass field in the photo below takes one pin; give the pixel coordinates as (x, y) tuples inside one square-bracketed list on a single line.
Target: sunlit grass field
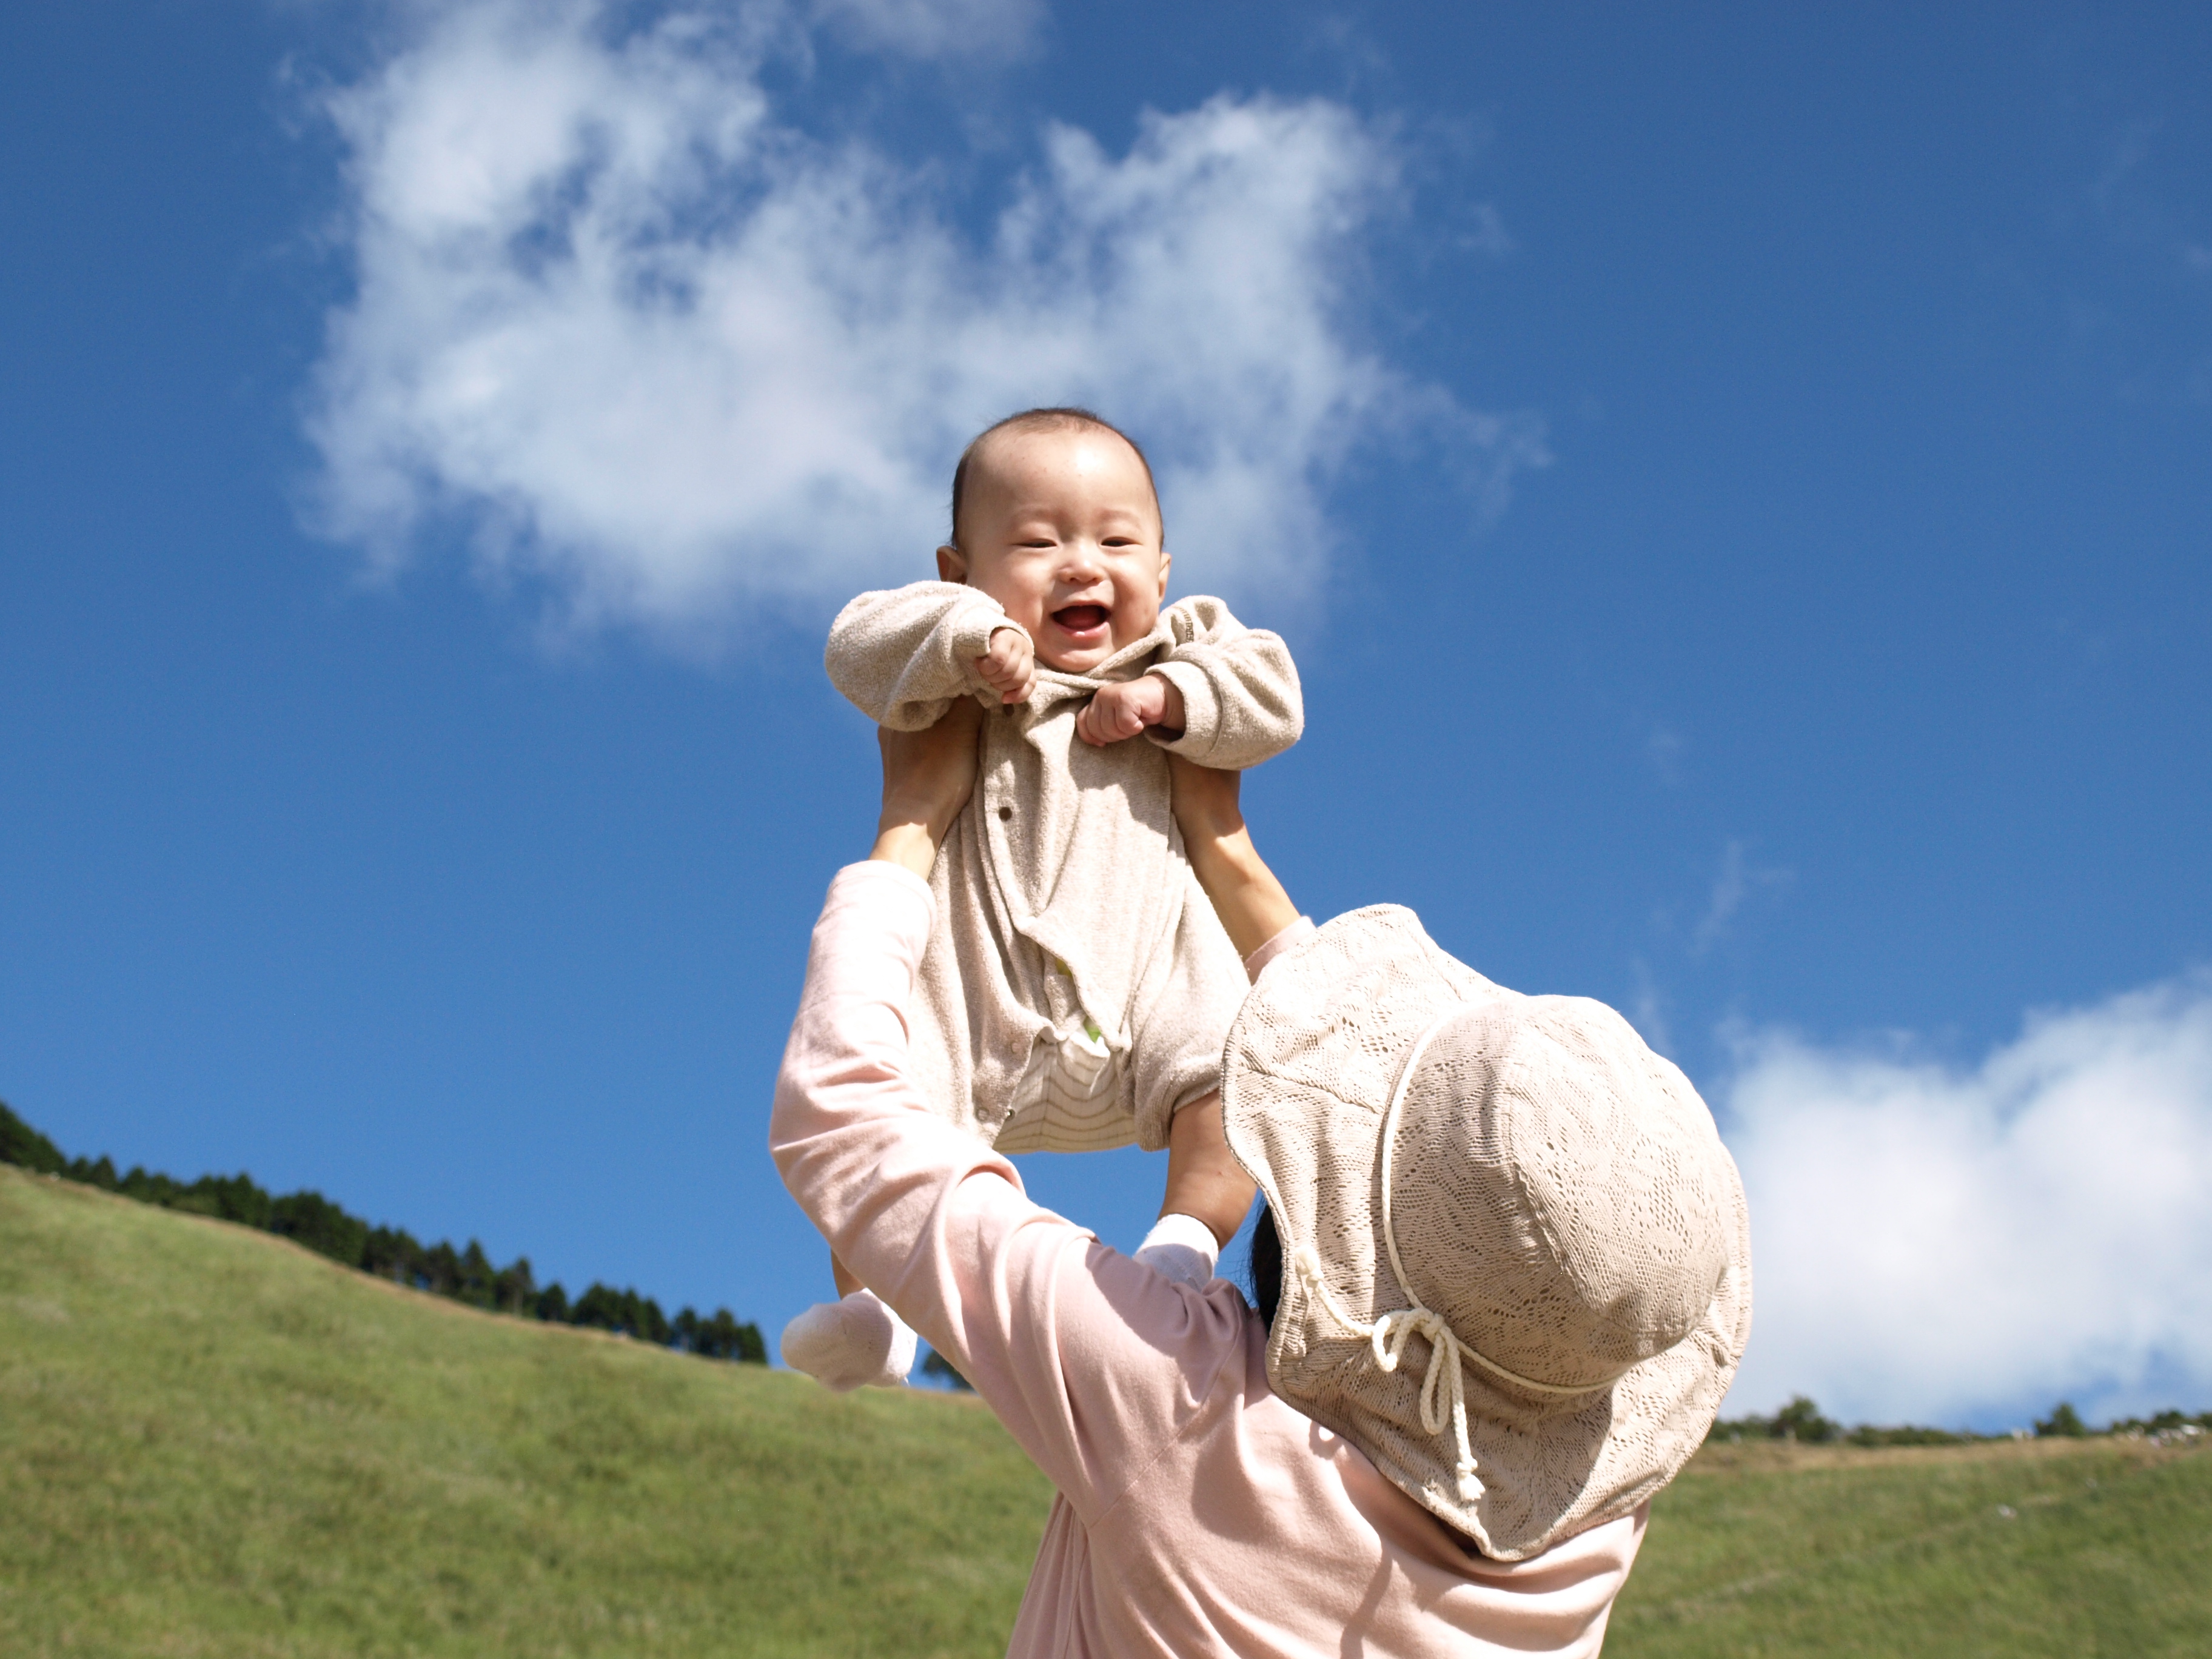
[(2073, 1547), (214, 1443)]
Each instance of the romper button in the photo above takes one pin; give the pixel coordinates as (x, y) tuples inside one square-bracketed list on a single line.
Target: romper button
[(1006, 813)]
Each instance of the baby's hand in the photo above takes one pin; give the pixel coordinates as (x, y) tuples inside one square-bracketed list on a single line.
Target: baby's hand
[(1124, 709), (1009, 667)]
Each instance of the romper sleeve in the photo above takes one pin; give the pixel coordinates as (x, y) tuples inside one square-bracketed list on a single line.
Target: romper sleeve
[(1093, 1361), (902, 655), (1241, 699)]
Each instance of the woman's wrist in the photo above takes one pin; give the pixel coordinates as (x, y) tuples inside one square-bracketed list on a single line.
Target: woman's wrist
[(927, 778), (1252, 904), (907, 844)]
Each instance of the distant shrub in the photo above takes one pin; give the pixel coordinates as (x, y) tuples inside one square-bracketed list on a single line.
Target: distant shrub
[(2167, 1422), (1799, 1420), (2064, 1423), (1868, 1434)]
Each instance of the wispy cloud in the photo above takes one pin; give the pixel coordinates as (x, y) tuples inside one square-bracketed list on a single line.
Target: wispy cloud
[(1647, 1009), (936, 28), (1938, 1243), (1663, 747), (1736, 881), (657, 347)]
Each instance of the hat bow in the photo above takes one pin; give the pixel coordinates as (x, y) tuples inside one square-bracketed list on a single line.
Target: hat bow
[(1444, 1389)]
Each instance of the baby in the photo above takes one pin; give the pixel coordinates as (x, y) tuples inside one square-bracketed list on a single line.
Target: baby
[(1077, 988)]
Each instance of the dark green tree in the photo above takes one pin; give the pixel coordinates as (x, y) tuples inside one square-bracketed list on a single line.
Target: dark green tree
[(392, 1253), (720, 1338), (1801, 1420), (309, 1218), (514, 1291), (935, 1364), (477, 1280), (606, 1309), (2064, 1423), (438, 1269), (24, 1147)]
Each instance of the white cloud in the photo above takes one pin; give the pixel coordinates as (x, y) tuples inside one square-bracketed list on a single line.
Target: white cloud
[(1934, 1244), (664, 351)]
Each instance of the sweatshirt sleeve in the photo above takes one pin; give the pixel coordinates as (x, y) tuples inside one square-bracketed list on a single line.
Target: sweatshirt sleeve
[(1240, 689), (904, 653), (1092, 1361)]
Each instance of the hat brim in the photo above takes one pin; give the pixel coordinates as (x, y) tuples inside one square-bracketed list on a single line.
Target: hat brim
[(1307, 1073)]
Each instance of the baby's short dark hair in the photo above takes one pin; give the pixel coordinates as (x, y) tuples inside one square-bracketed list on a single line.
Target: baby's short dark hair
[(1048, 420)]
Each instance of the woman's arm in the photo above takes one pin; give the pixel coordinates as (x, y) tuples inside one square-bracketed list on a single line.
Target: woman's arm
[(1091, 1359), (1251, 903), (927, 778)]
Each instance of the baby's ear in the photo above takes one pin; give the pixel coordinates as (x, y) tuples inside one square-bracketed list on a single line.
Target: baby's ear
[(952, 565), (1166, 559)]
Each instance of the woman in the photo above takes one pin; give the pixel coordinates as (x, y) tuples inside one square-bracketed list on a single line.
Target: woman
[(1506, 1255)]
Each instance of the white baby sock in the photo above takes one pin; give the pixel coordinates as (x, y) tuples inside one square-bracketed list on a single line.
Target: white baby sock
[(849, 1344), (1182, 1246)]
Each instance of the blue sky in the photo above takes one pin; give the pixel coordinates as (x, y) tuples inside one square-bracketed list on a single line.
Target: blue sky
[(1738, 483)]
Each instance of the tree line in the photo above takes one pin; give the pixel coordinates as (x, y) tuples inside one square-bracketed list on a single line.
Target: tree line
[(1801, 1420), (466, 1275)]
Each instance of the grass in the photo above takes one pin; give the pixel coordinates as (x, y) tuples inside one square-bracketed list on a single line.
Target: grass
[(2075, 1547), (213, 1442)]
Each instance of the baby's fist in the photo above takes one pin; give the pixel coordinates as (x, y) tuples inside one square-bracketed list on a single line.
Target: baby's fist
[(1124, 709), (1009, 667)]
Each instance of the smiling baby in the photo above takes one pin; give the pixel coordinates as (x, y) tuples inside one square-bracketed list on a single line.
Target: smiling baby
[(1077, 988)]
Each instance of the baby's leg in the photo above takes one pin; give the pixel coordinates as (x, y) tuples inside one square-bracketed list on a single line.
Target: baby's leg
[(1207, 1186), (853, 1342)]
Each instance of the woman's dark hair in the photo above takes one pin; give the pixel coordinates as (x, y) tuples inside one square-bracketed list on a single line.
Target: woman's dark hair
[(1266, 1267), (1046, 420)]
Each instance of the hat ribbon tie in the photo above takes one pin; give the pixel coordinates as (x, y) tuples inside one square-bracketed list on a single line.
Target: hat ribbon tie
[(1444, 1389), (1443, 1397)]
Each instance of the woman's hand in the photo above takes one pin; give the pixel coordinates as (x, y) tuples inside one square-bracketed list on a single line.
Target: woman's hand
[(1251, 903), (927, 778)]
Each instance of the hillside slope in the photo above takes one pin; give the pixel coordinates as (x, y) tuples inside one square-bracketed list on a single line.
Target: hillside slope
[(2058, 1548), (213, 1442)]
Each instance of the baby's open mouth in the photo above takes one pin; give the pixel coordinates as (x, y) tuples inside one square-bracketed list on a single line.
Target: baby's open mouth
[(1080, 618)]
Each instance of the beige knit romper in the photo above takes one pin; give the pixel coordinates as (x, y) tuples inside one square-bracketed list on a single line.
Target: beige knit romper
[(1078, 989)]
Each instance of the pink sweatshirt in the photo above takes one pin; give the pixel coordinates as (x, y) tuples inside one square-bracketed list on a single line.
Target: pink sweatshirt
[(1197, 1513)]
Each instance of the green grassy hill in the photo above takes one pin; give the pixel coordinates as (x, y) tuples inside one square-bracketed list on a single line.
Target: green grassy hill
[(212, 1442), (2058, 1548)]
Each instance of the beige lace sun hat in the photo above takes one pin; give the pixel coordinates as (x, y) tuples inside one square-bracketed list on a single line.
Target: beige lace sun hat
[(1516, 1262)]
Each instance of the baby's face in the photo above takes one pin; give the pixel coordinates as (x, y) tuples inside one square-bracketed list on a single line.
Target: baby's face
[(1061, 528)]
